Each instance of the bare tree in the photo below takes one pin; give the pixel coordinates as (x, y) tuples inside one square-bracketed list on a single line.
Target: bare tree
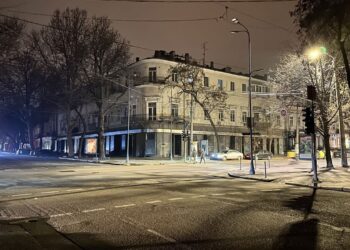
[(108, 59), (328, 21), (63, 46), (294, 73), (190, 80)]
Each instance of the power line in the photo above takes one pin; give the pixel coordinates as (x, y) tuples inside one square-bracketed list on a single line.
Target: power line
[(201, 1), (131, 20)]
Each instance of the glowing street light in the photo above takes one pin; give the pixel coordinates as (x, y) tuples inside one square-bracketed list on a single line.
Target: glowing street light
[(250, 121)]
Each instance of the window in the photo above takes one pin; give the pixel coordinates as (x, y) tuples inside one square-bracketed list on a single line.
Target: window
[(244, 87), (232, 115), (253, 88), (206, 81), (206, 117), (291, 121), (258, 88), (221, 115), (133, 110), (244, 117), (232, 86), (174, 110), (256, 117), (278, 120), (174, 77), (152, 74), (220, 84), (152, 111)]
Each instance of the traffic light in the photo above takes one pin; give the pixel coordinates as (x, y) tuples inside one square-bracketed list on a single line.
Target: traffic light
[(309, 121)]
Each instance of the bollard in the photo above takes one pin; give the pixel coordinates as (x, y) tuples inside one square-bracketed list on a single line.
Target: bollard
[(269, 163), (265, 168), (240, 163), (255, 162)]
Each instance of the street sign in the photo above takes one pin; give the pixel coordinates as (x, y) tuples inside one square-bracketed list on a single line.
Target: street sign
[(283, 112)]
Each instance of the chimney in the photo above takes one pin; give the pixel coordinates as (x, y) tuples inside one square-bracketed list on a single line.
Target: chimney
[(172, 55), (187, 58), (137, 59), (227, 69), (157, 54), (211, 64)]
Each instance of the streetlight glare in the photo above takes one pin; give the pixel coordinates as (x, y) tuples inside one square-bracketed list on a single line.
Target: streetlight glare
[(235, 20), (315, 52)]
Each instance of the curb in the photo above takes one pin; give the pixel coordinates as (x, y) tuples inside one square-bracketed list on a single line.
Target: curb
[(340, 189), (250, 178)]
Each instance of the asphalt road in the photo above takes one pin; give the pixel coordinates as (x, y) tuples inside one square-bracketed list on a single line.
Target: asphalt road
[(69, 205)]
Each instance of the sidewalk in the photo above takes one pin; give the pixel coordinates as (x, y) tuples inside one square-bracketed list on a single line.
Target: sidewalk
[(298, 173)]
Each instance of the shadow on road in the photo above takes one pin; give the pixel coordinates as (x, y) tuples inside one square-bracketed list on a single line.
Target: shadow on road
[(302, 234)]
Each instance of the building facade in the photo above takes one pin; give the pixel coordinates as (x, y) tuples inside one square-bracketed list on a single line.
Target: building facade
[(160, 115)]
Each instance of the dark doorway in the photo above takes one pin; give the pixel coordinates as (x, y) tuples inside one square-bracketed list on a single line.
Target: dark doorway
[(177, 144)]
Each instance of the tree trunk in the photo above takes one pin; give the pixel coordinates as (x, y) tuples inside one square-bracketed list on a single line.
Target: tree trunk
[(69, 135), (101, 139), (81, 140), (30, 135), (328, 150), (345, 61), (215, 133)]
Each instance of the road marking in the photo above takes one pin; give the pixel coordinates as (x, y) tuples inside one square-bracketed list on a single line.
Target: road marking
[(175, 199), (16, 195), (93, 210), (217, 194), (60, 215), (198, 196), (151, 202), (161, 236), (73, 190), (50, 192), (127, 205)]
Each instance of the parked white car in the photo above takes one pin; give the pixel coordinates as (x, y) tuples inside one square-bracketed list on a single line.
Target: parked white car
[(229, 154)]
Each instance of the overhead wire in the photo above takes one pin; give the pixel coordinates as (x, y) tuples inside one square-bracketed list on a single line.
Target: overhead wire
[(201, 1)]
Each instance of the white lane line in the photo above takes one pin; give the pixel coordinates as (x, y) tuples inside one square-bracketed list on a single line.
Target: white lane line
[(126, 205), (74, 190), (60, 215), (175, 199), (93, 210), (161, 236), (217, 194), (198, 196), (50, 192), (152, 202), (16, 195)]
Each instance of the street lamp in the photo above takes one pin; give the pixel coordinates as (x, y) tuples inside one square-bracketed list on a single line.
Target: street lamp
[(250, 121)]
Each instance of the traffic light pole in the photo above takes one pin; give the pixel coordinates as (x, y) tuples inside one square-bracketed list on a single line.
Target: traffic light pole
[(313, 138)]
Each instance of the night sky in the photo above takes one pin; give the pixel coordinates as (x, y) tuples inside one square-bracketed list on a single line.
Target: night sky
[(271, 27)]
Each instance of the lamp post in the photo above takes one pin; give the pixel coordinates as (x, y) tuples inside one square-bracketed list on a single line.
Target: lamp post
[(128, 134), (250, 121), (171, 123)]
